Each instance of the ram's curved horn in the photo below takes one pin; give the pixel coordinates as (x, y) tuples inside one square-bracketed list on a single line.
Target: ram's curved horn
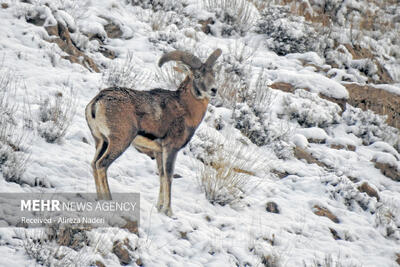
[(187, 58), (213, 58)]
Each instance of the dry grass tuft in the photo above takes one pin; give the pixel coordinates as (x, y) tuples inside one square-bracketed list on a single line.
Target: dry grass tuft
[(13, 135), (56, 246), (239, 14), (123, 75), (56, 114), (171, 75), (226, 170)]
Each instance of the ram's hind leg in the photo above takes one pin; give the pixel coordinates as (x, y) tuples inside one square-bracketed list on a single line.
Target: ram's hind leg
[(101, 147), (114, 148)]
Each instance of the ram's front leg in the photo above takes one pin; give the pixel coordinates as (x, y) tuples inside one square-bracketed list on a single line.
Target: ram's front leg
[(160, 167), (169, 157)]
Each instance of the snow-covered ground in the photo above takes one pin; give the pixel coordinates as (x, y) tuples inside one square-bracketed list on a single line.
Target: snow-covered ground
[(266, 132)]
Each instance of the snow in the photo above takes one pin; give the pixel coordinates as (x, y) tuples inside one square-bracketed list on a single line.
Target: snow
[(300, 140), (66, 19), (385, 147), (309, 57), (387, 158), (242, 233), (392, 88), (316, 83), (313, 133)]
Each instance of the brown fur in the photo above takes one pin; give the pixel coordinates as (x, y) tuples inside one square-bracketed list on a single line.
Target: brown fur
[(169, 115)]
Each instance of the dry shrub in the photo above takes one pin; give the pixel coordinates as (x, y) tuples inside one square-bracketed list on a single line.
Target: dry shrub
[(56, 246), (221, 181), (226, 170), (238, 15), (56, 114), (159, 20), (272, 260), (259, 96), (236, 60), (8, 108), (252, 113), (172, 76), (233, 75), (125, 75), (231, 88), (331, 261), (76, 8), (387, 218), (232, 78), (261, 4), (286, 33), (13, 135), (157, 5), (240, 51)]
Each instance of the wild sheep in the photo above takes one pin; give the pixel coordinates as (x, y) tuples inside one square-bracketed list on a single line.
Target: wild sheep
[(157, 122)]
